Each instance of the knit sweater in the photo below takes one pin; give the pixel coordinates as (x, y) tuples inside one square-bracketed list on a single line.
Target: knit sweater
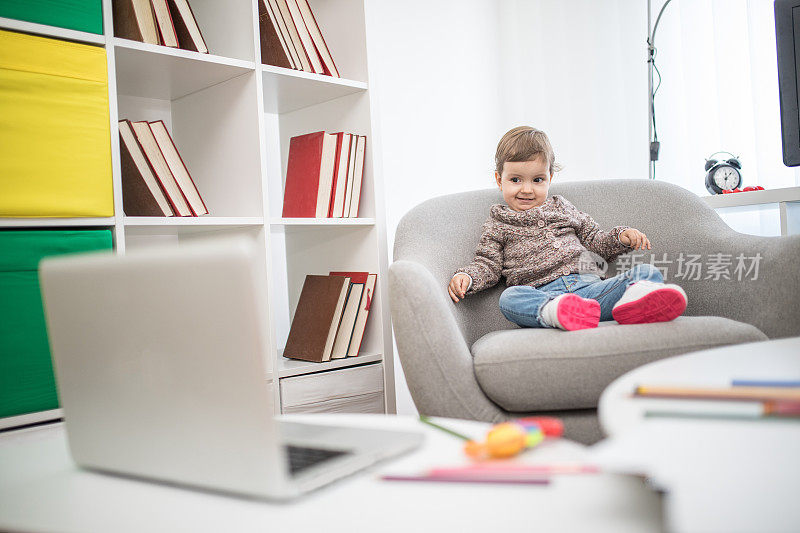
[(539, 245)]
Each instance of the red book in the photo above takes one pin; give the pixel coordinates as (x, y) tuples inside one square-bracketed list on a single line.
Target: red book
[(340, 175), (369, 281), (309, 175)]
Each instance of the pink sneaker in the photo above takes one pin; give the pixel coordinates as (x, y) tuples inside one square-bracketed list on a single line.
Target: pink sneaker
[(645, 302), (570, 312)]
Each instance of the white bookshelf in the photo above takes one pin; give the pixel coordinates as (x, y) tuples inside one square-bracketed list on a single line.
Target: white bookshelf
[(231, 118)]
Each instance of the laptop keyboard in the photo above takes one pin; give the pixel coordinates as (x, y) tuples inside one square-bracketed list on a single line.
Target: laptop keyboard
[(301, 458)]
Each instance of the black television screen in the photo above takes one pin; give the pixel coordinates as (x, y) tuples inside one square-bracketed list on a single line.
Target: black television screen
[(787, 33)]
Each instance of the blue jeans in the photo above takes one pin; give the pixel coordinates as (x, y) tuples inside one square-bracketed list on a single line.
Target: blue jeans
[(522, 304)]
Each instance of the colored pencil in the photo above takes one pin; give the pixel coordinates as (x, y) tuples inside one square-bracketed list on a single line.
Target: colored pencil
[(709, 393), (765, 383)]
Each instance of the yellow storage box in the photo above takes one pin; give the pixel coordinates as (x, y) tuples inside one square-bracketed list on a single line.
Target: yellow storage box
[(55, 144)]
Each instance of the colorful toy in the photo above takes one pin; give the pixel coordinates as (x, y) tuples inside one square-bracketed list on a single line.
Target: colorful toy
[(508, 438)]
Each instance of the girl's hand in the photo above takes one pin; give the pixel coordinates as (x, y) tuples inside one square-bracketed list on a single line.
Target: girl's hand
[(458, 286), (635, 239)]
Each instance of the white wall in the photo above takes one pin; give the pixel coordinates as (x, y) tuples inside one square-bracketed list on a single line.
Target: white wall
[(452, 76), (434, 68)]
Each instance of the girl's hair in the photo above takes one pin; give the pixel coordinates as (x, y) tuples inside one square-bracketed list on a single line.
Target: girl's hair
[(524, 143)]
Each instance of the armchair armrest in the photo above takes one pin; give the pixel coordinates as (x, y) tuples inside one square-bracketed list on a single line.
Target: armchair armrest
[(766, 293), (435, 357)]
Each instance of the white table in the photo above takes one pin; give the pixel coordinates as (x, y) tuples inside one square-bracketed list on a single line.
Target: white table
[(41, 489), (720, 475)]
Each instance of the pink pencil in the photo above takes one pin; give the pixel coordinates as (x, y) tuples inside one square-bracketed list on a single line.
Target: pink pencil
[(478, 479)]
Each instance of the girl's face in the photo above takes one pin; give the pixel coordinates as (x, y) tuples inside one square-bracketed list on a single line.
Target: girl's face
[(524, 184)]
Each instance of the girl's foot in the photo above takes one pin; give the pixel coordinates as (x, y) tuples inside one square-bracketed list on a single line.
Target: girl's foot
[(570, 312), (646, 301)]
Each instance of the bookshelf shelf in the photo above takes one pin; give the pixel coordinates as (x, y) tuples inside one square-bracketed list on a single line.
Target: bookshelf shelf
[(52, 31), (322, 222), (292, 367), (159, 72), (56, 222), (287, 90), (194, 221), (232, 119)]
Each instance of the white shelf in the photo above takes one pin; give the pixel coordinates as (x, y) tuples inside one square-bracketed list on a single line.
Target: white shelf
[(52, 31), (322, 222), (767, 196), (163, 73), (193, 221), (294, 367), (31, 418), (55, 222), (287, 90)]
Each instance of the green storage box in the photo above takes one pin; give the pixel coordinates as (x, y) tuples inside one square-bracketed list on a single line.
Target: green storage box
[(81, 15), (27, 383)]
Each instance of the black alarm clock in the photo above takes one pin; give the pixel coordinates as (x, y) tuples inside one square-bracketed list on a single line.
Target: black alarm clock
[(723, 175)]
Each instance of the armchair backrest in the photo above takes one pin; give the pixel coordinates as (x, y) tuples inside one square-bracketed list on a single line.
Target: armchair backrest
[(442, 234)]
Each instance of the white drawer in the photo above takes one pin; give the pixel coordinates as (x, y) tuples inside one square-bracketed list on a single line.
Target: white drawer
[(363, 403), (330, 386)]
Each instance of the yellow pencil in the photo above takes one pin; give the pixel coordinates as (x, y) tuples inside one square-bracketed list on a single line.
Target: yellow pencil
[(728, 393)]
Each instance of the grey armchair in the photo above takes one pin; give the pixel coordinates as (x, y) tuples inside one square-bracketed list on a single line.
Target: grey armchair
[(466, 360)]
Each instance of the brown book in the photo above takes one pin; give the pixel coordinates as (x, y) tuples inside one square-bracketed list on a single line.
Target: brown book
[(273, 48), (186, 29), (141, 194), (134, 19), (178, 168), (316, 319)]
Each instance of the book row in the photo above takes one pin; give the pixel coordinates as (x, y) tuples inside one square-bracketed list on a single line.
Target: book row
[(331, 316), (166, 22), (155, 180), (324, 175), (291, 37), (290, 34)]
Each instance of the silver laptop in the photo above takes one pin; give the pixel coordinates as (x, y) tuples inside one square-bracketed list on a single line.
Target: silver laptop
[(160, 361)]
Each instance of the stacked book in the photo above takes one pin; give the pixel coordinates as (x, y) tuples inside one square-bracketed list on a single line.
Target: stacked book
[(291, 37), (155, 180), (331, 316), (324, 175), (167, 22)]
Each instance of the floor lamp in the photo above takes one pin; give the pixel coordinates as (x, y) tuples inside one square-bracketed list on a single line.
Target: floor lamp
[(652, 133)]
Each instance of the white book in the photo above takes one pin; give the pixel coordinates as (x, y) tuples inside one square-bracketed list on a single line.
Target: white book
[(126, 132), (178, 168), (358, 175), (348, 195), (296, 43), (165, 26), (326, 175), (361, 317), (326, 356), (150, 147), (341, 177), (305, 37), (348, 321), (316, 36)]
